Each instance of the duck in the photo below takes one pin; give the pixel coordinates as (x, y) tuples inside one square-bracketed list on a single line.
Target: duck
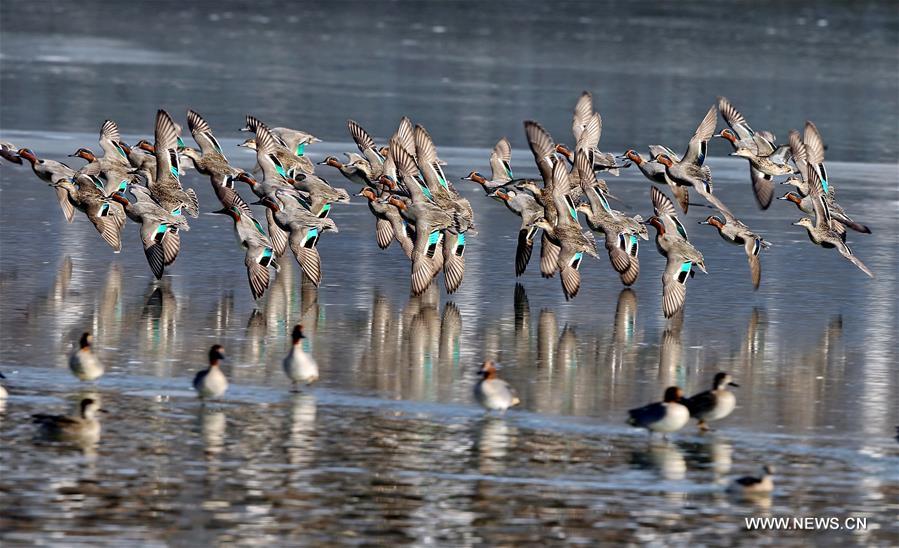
[(666, 416), (299, 366), (86, 195), (110, 169), (586, 127), (366, 145), (714, 404), (288, 160), (83, 363), (525, 206), (3, 393), (159, 229), (651, 169), (567, 234), (210, 160), (52, 172), (166, 186), (211, 383), (500, 168), (754, 485), (389, 225), (292, 139), (84, 427), (356, 170), (821, 231), (260, 255), (689, 171), (621, 232), (543, 148), (493, 393), (741, 136), (303, 228), (773, 164), (734, 231), (672, 243)]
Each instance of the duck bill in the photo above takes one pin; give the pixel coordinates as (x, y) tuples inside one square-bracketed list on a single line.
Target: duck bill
[(735, 385), (703, 222)]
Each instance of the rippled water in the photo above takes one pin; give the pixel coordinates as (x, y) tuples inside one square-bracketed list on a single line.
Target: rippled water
[(388, 447)]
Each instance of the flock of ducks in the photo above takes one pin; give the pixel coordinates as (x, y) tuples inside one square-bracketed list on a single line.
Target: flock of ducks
[(490, 391), (415, 204)]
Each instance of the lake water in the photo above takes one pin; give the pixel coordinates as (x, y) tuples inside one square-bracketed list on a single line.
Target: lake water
[(389, 447)]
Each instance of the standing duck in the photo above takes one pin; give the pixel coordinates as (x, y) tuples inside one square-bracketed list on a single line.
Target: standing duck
[(672, 243), (260, 255), (734, 231), (714, 404), (211, 383), (83, 428), (299, 366), (83, 363), (666, 416), (52, 172), (493, 393), (158, 228), (741, 136)]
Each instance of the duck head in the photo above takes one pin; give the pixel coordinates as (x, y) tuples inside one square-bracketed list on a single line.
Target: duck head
[(368, 193), (632, 155), (86, 340), (743, 152), (805, 222), (565, 151), (657, 223), (768, 470), (727, 134), (396, 202), (713, 220), (475, 177), (27, 154), (216, 354), (664, 159), (331, 161), (249, 143), (297, 334), (584, 207), (487, 370), (232, 212), (120, 198), (84, 153), (795, 181), (792, 197), (89, 408), (269, 203), (673, 394), (146, 145), (723, 379), (246, 178), (388, 181), (501, 194)]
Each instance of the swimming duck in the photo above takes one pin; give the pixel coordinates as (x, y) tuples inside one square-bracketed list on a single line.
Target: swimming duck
[(714, 404), (389, 223), (211, 383), (821, 230), (83, 363), (752, 485), (666, 416), (620, 231), (51, 172), (85, 195), (734, 231), (166, 186), (299, 366), (260, 255), (525, 206), (158, 228), (292, 139), (741, 136), (84, 428), (690, 172), (493, 393)]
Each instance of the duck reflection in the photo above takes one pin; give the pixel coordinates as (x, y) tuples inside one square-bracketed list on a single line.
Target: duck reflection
[(492, 442), (299, 443), (212, 422), (712, 452), (671, 350), (158, 323), (662, 457)]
